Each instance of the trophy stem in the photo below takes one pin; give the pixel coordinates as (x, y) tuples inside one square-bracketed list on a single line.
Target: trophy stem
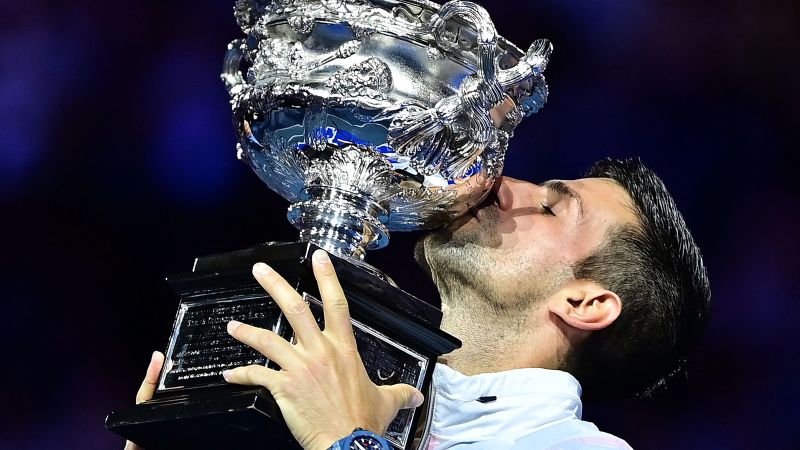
[(342, 222)]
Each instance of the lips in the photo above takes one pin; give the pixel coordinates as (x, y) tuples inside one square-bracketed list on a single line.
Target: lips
[(491, 199), (503, 194)]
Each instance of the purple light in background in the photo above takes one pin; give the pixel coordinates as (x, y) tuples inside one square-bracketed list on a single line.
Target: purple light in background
[(615, 21), (43, 57), (22, 111), (192, 146)]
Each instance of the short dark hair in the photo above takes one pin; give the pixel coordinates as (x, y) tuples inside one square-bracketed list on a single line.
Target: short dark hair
[(656, 269)]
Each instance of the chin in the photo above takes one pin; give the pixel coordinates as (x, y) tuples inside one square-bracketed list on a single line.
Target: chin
[(461, 245), (420, 255), (479, 227)]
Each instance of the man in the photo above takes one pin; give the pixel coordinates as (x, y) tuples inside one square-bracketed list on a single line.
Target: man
[(594, 281)]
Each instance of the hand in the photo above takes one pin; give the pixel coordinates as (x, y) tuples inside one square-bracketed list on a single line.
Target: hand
[(148, 387), (322, 389)]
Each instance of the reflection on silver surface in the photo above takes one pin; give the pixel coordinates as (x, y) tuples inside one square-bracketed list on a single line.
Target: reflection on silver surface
[(374, 115)]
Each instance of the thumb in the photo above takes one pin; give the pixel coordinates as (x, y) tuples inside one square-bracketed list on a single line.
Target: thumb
[(150, 382), (405, 396)]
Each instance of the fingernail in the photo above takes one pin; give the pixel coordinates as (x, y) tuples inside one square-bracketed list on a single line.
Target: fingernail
[(321, 257), (154, 356), (261, 269), (232, 325), (417, 400), (226, 374)]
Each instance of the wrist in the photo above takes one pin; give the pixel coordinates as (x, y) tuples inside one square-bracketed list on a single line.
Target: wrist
[(361, 439), (323, 440)]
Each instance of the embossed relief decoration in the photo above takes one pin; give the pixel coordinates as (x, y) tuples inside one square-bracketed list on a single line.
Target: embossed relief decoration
[(254, 16), (277, 58), (370, 78)]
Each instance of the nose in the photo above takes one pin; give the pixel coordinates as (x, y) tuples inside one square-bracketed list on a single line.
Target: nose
[(513, 193)]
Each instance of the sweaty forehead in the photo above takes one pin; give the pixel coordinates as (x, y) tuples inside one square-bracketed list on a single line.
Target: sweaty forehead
[(605, 201)]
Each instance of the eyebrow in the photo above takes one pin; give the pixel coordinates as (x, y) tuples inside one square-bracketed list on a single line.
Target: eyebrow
[(562, 188)]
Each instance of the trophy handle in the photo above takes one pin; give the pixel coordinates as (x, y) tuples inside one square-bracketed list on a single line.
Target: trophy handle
[(532, 64), (487, 41), (417, 133), (231, 67)]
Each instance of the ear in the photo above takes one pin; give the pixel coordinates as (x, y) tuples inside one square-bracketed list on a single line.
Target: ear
[(585, 305)]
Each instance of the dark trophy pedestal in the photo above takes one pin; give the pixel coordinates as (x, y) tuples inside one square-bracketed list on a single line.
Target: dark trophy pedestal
[(398, 338)]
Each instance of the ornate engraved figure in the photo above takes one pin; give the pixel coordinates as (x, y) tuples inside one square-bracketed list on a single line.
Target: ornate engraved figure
[(370, 78)]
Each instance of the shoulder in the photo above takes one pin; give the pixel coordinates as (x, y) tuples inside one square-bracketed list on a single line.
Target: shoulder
[(571, 435)]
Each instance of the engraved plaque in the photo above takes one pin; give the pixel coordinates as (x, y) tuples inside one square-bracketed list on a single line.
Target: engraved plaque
[(201, 348)]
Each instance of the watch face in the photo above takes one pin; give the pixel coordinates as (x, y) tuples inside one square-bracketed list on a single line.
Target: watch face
[(365, 443)]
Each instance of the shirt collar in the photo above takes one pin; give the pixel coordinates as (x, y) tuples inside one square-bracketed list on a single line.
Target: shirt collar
[(531, 381), (526, 400)]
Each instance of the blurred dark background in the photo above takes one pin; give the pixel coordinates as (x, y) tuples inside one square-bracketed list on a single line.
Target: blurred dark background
[(117, 166)]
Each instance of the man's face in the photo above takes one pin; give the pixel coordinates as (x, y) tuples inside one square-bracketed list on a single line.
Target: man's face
[(522, 241)]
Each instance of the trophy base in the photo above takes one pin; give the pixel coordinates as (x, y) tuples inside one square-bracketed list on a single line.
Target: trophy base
[(213, 419), (397, 335)]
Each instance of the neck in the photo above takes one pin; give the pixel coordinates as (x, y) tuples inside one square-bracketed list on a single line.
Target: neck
[(493, 339)]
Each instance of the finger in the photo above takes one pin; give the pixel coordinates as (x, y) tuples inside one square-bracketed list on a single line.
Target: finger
[(148, 387), (334, 303), (253, 376), (131, 446), (293, 306), (403, 396), (269, 344)]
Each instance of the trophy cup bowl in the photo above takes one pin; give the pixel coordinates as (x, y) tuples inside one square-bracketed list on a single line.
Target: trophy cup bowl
[(372, 116), (368, 116)]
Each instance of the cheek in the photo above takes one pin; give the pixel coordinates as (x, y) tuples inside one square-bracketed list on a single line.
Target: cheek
[(586, 238), (540, 239), (528, 231), (525, 271), (528, 258)]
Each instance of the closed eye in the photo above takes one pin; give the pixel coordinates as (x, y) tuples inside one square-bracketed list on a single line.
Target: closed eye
[(547, 210), (561, 188)]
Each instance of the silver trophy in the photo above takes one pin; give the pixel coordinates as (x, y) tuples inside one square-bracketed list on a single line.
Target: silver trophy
[(368, 116), (376, 115)]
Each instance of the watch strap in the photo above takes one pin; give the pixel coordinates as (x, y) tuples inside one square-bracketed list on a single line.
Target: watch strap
[(344, 443)]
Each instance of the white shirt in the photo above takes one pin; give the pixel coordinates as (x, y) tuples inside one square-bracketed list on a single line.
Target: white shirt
[(534, 409)]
